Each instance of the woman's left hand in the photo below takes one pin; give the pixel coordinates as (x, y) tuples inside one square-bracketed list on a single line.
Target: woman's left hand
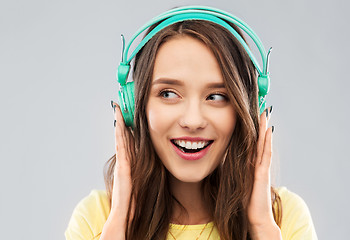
[(260, 216)]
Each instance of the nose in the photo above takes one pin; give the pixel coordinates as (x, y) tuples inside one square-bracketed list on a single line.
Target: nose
[(192, 116)]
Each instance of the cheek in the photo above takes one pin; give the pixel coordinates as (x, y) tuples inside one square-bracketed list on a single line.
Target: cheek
[(159, 118), (225, 122)]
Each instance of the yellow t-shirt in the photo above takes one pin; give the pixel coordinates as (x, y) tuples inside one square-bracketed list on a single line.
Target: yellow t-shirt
[(91, 213)]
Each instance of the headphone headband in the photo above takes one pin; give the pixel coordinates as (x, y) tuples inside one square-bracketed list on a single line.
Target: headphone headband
[(194, 13)]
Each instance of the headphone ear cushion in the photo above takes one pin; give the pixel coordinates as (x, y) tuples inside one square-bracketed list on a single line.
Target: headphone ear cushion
[(128, 105)]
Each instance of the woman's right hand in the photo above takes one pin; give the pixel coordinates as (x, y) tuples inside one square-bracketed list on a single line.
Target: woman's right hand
[(124, 148), (121, 194)]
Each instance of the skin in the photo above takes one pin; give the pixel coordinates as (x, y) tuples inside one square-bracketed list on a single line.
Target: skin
[(191, 109)]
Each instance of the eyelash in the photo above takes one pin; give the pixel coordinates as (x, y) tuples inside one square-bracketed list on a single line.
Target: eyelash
[(216, 93)]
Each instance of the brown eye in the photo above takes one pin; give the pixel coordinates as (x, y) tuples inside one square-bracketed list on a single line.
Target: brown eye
[(167, 94), (217, 97)]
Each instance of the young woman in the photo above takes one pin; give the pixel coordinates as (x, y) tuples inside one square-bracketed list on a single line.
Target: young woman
[(196, 164)]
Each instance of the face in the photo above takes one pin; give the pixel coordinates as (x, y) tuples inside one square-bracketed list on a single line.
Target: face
[(188, 109)]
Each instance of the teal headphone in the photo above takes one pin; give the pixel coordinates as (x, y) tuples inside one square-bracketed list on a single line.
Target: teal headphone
[(126, 89)]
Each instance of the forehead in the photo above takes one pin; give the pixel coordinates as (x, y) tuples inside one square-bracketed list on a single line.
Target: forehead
[(188, 59)]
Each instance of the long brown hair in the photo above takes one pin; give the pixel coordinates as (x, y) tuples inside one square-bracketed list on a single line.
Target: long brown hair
[(228, 188)]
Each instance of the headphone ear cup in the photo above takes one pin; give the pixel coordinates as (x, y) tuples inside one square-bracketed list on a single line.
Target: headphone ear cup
[(127, 98), (264, 87)]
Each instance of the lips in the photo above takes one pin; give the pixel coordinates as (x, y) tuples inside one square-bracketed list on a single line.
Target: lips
[(191, 147), (192, 154)]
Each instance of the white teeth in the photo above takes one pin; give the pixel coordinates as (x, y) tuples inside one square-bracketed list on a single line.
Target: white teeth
[(194, 145), (181, 143), (201, 144), (191, 145)]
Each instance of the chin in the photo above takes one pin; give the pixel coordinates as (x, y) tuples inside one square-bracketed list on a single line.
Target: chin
[(189, 177)]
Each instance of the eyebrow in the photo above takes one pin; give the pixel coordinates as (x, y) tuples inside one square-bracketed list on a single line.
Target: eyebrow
[(181, 83)]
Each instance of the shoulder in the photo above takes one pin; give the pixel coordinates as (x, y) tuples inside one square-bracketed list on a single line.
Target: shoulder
[(296, 218), (96, 202), (89, 216), (291, 200)]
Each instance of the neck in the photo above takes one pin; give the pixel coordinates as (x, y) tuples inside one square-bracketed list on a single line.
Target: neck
[(191, 198)]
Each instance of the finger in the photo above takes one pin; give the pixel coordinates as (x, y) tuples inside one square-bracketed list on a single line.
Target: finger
[(262, 131), (120, 119), (120, 138), (120, 145), (118, 113), (127, 132), (267, 154)]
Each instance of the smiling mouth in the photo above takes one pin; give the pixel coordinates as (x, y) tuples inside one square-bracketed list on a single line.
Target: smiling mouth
[(187, 150)]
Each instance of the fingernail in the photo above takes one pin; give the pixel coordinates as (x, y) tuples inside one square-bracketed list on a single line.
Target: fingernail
[(114, 122), (273, 128), (267, 113), (113, 106), (271, 109)]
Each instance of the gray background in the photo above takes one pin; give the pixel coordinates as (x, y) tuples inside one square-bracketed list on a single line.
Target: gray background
[(58, 62)]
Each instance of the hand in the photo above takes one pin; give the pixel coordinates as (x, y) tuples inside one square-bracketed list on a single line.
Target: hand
[(125, 149), (260, 214), (115, 226)]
